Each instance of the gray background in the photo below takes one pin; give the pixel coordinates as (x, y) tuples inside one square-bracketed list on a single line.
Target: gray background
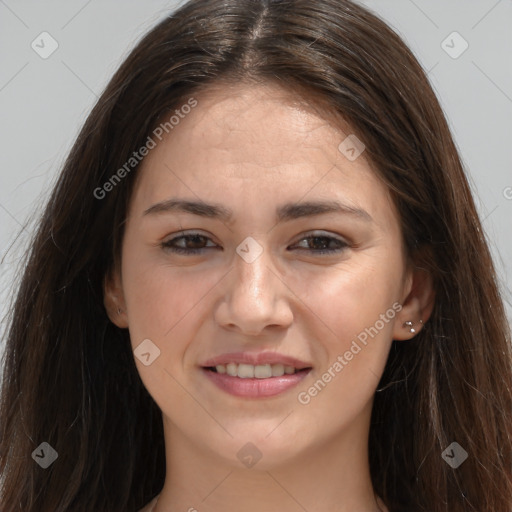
[(43, 102)]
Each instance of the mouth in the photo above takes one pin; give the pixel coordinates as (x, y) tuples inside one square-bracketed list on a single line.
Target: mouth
[(263, 380), (260, 371)]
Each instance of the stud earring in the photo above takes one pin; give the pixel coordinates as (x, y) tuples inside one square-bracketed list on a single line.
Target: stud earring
[(409, 325), (119, 311)]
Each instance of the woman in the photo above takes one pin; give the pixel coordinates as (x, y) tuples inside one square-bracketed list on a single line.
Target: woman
[(260, 282)]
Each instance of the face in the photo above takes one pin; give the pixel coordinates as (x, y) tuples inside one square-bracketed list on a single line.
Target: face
[(290, 259)]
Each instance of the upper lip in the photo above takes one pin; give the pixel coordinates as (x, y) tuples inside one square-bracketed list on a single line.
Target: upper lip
[(256, 358)]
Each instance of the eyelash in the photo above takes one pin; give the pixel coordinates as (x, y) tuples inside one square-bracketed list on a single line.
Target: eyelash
[(180, 250)]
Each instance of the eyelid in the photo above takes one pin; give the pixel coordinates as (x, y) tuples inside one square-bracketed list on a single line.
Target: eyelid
[(321, 234), (186, 234), (307, 234), (343, 244)]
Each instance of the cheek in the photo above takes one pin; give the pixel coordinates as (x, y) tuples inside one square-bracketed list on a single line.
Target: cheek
[(165, 302), (354, 308), (351, 297), (358, 305), (165, 305)]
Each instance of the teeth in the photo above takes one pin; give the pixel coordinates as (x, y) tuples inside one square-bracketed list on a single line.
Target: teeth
[(232, 369), (260, 371), (246, 371), (277, 370)]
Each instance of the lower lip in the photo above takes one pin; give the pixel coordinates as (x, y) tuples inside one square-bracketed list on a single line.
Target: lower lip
[(255, 388)]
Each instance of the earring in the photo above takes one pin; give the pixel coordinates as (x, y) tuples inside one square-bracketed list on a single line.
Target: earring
[(409, 325), (119, 311)]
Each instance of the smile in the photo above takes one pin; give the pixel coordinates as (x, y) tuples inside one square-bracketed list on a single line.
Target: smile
[(250, 371), (255, 381)]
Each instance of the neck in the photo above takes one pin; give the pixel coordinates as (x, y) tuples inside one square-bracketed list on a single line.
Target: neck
[(331, 475)]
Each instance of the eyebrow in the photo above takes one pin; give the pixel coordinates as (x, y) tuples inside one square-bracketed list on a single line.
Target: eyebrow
[(286, 212)]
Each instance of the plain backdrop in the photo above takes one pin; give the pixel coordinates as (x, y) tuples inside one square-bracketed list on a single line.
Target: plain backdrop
[(465, 45)]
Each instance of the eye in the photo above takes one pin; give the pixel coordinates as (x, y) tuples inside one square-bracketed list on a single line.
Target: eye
[(191, 243), (324, 244), (196, 243)]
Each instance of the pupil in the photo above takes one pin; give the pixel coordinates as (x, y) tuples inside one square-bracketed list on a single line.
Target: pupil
[(195, 240), (319, 240)]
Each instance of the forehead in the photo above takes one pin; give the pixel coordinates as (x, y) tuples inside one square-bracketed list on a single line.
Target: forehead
[(262, 125), (257, 144)]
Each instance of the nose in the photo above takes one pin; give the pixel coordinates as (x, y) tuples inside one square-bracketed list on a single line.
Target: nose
[(255, 298)]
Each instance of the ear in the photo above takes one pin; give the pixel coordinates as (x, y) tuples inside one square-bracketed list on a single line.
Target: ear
[(113, 299), (417, 304)]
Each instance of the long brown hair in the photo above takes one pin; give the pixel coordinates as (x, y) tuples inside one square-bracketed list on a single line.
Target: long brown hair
[(69, 375)]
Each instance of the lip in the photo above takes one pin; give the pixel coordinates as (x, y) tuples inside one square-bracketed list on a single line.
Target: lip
[(255, 388), (256, 358)]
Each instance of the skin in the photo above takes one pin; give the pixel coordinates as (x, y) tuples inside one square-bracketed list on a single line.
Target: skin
[(251, 149)]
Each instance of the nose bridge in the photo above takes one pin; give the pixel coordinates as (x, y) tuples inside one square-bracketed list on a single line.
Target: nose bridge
[(255, 297), (253, 275)]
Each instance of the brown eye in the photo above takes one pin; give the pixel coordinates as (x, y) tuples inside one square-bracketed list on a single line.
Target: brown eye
[(324, 244), (193, 243)]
